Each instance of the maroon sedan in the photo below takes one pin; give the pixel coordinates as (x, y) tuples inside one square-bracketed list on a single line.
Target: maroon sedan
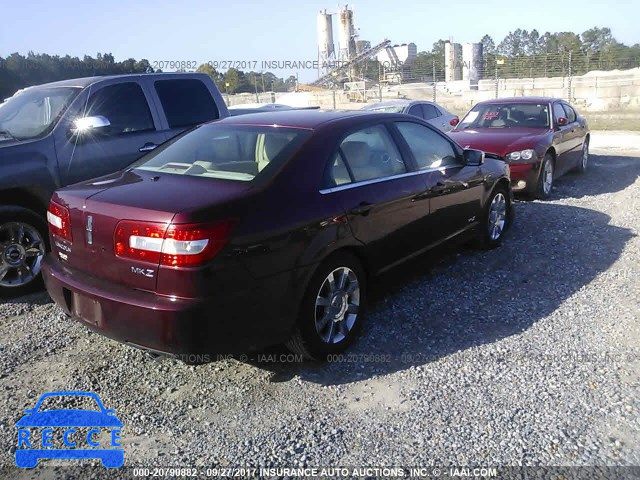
[(541, 139), (262, 229)]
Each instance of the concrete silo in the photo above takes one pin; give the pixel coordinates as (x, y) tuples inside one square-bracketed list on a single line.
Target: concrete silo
[(326, 49), (472, 63), (452, 61), (346, 34)]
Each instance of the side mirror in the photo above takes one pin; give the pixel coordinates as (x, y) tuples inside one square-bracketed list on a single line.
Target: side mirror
[(561, 121), (454, 121), (473, 158), (85, 125)]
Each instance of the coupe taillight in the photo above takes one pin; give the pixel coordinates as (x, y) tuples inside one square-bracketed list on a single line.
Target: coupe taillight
[(59, 221), (172, 245)]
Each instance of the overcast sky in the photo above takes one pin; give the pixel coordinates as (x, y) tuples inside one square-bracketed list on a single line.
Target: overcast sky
[(205, 30)]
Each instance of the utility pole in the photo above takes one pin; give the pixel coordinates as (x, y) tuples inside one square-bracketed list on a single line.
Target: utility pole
[(255, 84), (569, 83), (434, 81)]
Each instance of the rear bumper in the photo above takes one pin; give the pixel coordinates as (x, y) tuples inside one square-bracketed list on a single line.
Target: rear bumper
[(233, 323), (524, 176)]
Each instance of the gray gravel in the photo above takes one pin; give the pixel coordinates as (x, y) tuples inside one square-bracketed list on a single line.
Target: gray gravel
[(524, 355)]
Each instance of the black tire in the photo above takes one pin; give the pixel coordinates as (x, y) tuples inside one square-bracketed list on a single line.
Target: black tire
[(543, 191), (12, 215), (306, 340), (487, 237), (584, 158)]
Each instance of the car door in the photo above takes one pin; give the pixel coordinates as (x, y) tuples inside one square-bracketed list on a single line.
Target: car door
[(455, 190), (562, 140), (184, 103), (131, 130), (574, 136), (380, 193)]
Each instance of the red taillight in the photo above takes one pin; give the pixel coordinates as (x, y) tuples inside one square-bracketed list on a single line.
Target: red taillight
[(173, 245), (59, 221), (454, 121)]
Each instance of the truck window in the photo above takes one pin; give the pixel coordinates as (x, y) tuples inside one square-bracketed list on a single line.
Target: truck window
[(186, 102), (124, 105)]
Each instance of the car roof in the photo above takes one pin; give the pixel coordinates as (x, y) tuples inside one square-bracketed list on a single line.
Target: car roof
[(86, 81), (306, 119), (520, 100)]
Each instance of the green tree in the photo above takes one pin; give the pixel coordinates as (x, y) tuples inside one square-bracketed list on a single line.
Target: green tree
[(488, 45)]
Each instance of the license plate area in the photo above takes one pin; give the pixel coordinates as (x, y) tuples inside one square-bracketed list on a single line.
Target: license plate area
[(86, 309)]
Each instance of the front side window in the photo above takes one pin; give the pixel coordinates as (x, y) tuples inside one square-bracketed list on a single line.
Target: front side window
[(34, 111), (429, 111), (506, 115), (186, 102), (415, 110), (370, 153), (571, 114), (233, 152), (124, 105), (558, 112), (429, 149)]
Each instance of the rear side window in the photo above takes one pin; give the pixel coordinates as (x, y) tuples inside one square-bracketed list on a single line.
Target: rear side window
[(124, 105), (186, 102), (429, 111), (429, 149), (370, 154)]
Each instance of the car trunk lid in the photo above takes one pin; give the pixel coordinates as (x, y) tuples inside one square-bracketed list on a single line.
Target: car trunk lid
[(139, 198)]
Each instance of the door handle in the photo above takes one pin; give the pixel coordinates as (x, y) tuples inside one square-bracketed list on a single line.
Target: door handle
[(147, 147), (362, 209)]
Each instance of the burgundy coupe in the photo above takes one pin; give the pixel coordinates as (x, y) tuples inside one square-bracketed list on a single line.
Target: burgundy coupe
[(265, 228), (541, 139)]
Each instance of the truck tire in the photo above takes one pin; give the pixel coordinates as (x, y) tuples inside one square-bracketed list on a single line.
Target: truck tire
[(23, 243)]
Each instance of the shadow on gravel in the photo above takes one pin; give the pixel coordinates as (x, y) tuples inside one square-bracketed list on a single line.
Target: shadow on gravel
[(456, 299), (39, 298), (606, 174)]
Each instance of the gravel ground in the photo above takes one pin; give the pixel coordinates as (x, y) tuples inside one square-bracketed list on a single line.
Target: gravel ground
[(525, 355)]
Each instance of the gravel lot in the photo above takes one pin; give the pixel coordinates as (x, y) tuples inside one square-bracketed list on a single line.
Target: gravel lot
[(525, 355)]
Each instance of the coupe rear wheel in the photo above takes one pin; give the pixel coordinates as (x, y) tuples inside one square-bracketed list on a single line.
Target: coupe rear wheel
[(545, 179), (331, 310), (584, 158), (496, 219), (23, 244)]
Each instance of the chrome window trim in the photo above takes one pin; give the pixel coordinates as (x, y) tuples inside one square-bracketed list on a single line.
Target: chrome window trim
[(347, 186)]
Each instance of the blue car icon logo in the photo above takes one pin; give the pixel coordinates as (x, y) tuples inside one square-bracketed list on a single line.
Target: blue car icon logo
[(36, 433)]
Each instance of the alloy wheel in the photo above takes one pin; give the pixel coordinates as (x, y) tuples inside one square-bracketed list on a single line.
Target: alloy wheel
[(585, 155), (337, 305), (547, 177), (497, 216), (21, 252)]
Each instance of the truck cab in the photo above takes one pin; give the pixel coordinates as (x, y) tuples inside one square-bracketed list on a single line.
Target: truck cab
[(65, 132)]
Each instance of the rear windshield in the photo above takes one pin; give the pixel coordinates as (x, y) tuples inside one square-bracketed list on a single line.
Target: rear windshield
[(507, 115), (386, 108), (233, 152)]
